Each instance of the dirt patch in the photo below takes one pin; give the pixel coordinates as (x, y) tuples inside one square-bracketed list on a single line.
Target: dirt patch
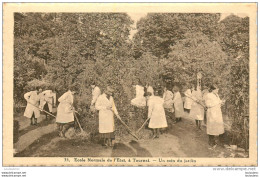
[(178, 140)]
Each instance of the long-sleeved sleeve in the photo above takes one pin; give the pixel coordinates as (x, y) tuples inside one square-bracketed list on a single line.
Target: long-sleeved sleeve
[(114, 106), (188, 93), (27, 96), (54, 98), (99, 104), (63, 97), (96, 93), (175, 98)]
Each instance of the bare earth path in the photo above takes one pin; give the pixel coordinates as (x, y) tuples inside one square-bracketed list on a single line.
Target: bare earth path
[(181, 140)]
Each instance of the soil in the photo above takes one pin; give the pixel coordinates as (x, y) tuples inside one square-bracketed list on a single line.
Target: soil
[(179, 140)]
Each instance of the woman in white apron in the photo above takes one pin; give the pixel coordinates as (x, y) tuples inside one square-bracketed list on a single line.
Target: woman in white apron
[(156, 113), (48, 101), (188, 101), (65, 112), (215, 124), (106, 106), (139, 105), (32, 108), (139, 100), (178, 104), (168, 103), (197, 110)]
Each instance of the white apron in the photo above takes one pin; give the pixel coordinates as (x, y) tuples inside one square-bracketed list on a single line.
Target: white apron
[(156, 113), (188, 102), (168, 100), (106, 117), (215, 124), (64, 110), (140, 100), (48, 97), (197, 110), (178, 105), (33, 100)]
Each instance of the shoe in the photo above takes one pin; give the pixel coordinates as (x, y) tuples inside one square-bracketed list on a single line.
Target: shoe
[(61, 134)]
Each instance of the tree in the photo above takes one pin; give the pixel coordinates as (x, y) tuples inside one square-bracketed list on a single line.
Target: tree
[(159, 31), (234, 39), (196, 53)]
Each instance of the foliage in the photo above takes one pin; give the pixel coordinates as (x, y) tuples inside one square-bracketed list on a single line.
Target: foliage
[(26, 68), (157, 32), (193, 54), (63, 49), (235, 42)]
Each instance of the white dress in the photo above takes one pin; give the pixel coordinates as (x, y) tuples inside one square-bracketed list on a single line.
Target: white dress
[(197, 110), (106, 116), (215, 124), (64, 110), (168, 100), (48, 97), (188, 101), (178, 105), (33, 100), (156, 113), (139, 100)]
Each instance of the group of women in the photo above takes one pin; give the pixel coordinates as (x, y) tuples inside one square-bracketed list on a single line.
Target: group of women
[(167, 104), (163, 104)]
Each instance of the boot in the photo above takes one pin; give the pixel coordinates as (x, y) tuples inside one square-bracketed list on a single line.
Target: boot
[(110, 142), (157, 133), (199, 124), (35, 121), (154, 134)]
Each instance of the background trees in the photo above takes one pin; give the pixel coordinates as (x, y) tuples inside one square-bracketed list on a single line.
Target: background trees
[(62, 49)]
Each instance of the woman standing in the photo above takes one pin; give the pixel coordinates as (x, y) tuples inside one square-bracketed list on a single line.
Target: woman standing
[(215, 124), (139, 104), (32, 109), (156, 113), (178, 104), (168, 103), (106, 106), (197, 110), (188, 101), (65, 112), (48, 101), (139, 100)]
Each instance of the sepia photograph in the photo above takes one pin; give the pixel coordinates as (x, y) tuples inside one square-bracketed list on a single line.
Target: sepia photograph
[(110, 87)]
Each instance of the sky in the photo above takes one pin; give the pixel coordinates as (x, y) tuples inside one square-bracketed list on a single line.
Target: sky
[(138, 16)]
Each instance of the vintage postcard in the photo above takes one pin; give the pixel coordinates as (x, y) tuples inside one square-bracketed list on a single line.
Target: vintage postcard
[(129, 84)]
